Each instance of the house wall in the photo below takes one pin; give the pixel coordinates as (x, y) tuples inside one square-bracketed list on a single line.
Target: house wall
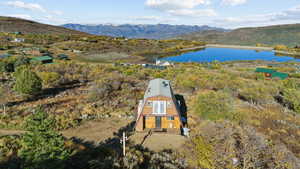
[(150, 118)]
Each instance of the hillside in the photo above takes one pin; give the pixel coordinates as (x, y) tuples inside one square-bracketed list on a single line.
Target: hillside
[(159, 31), (271, 35), (10, 24)]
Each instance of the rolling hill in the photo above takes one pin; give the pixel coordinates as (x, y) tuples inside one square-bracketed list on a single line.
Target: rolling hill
[(271, 35), (159, 31), (10, 24)]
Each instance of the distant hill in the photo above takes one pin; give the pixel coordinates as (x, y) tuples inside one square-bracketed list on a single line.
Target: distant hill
[(159, 31), (270, 35), (10, 24)]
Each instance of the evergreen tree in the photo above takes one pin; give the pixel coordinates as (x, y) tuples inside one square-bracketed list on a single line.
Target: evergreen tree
[(27, 82), (42, 147)]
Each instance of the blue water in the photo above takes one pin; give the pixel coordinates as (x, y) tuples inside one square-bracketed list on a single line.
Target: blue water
[(227, 54)]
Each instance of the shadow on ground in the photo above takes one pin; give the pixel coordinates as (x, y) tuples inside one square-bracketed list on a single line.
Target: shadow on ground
[(49, 92), (102, 152)]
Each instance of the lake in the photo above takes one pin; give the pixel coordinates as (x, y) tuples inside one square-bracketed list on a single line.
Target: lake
[(228, 54)]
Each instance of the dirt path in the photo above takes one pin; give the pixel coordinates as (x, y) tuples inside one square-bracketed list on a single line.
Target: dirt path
[(6, 132), (97, 131), (159, 141)]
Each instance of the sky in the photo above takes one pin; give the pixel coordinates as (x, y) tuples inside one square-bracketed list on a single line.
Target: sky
[(219, 13)]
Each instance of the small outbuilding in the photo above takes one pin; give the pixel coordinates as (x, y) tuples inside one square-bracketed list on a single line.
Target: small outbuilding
[(159, 110), (271, 73), (63, 57), (43, 59)]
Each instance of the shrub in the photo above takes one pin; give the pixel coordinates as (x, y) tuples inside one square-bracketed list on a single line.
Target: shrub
[(291, 97), (21, 61), (258, 93), (27, 82), (41, 146), (280, 47), (204, 153), (50, 79), (6, 66), (214, 105)]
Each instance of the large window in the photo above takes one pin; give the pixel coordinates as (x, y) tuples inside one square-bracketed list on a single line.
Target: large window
[(159, 107)]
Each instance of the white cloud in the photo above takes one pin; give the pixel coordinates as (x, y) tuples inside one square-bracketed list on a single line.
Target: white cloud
[(291, 15), (181, 7), (28, 6), (193, 12), (175, 4), (22, 16), (234, 2), (148, 18)]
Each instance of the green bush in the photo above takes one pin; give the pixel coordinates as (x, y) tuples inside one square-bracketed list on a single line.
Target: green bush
[(258, 93), (27, 82), (50, 79), (204, 153), (41, 146), (213, 105), (291, 97)]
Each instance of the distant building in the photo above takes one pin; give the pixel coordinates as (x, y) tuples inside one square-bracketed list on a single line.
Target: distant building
[(271, 73), (18, 40), (159, 110), (163, 62), (63, 57), (42, 59)]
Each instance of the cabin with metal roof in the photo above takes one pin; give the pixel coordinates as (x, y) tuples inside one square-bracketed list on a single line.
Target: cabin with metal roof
[(159, 110), (271, 73), (63, 57), (42, 59)]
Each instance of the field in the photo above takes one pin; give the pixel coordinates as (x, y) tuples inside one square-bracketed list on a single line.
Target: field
[(233, 113)]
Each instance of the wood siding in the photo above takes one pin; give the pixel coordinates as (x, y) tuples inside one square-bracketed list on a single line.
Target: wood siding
[(166, 123)]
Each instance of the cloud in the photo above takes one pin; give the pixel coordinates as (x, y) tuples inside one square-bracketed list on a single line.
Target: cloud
[(148, 18), (181, 7), (27, 6), (234, 2), (291, 15), (193, 12), (175, 4)]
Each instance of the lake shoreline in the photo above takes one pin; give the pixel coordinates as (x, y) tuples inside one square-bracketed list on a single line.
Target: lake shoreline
[(239, 47)]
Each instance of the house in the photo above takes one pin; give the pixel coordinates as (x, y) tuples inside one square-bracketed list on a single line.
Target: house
[(63, 57), (18, 40), (280, 75), (151, 66), (159, 110), (42, 59), (271, 73), (163, 62), (266, 71)]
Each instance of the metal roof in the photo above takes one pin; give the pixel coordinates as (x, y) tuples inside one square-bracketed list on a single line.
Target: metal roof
[(280, 75), (42, 58), (265, 70), (159, 87)]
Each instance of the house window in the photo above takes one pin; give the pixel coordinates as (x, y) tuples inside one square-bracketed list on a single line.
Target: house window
[(171, 118), (149, 103), (159, 107)]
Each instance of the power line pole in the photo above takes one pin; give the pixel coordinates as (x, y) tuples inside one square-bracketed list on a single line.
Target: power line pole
[(123, 142)]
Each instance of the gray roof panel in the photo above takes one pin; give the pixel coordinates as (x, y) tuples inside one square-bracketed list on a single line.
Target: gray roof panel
[(158, 87)]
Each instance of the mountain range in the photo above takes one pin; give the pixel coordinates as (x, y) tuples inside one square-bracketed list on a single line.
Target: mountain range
[(159, 31), (269, 35)]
